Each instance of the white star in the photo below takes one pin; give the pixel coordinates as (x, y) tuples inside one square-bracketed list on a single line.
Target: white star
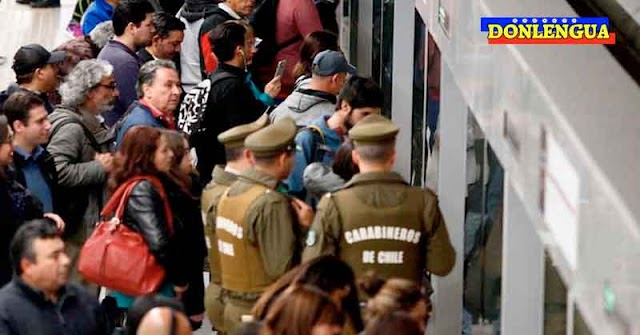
[(554, 20), (534, 20), (524, 20), (564, 20), (515, 20), (574, 20), (544, 20)]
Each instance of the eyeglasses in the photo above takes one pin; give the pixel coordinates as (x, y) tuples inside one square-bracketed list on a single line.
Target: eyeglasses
[(111, 86)]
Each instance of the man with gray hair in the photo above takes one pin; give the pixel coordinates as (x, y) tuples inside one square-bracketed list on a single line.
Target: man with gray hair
[(159, 91), (80, 144)]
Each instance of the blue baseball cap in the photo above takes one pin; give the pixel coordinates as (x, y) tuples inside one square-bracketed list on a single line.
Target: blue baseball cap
[(329, 62)]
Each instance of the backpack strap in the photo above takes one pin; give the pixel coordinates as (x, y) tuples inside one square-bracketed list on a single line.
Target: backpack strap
[(69, 120), (318, 130)]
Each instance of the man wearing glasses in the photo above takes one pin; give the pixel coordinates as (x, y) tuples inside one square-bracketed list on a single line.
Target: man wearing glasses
[(80, 143)]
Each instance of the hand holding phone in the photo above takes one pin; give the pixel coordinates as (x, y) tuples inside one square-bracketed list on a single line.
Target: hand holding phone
[(280, 68)]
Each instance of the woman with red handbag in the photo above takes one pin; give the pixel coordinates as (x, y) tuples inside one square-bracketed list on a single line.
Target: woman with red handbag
[(146, 158)]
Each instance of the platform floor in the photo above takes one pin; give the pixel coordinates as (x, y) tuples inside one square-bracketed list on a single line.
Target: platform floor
[(20, 25)]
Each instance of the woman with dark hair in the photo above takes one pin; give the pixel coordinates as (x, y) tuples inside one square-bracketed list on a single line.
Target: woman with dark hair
[(313, 44), (303, 310), (145, 153), (326, 273), (183, 192)]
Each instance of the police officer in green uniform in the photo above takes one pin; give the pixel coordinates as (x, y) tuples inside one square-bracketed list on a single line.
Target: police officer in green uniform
[(238, 160), (377, 221), (257, 224)]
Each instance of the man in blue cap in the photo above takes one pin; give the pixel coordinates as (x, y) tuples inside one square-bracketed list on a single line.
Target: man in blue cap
[(328, 73)]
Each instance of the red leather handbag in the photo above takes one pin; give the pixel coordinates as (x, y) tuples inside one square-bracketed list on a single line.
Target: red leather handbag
[(116, 256)]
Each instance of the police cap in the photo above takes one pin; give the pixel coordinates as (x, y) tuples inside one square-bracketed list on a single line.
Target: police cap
[(234, 137), (373, 129), (273, 139)]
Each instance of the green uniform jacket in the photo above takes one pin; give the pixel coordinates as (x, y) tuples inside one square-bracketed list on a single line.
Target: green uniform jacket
[(271, 223), (221, 180), (382, 190)]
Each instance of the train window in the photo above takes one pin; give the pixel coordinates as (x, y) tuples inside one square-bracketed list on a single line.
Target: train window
[(382, 57)]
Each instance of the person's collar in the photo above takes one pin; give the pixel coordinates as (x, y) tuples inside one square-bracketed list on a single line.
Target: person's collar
[(232, 170), (220, 176), (38, 295), (35, 154), (120, 42), (320, 94), (260, 177), (232, 69), (375, 177), (165, 118), (149, 50), (229, 11)]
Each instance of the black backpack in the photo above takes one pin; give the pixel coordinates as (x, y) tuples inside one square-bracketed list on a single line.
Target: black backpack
[(194, 104), (263, 19)]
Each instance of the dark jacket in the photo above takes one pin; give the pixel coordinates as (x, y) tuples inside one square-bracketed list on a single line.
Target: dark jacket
[(24, 310), (190, 243), (17, 205), (13, 87), (231, 103), (145, 56), (125, 71), (145, 213), (48, 168)]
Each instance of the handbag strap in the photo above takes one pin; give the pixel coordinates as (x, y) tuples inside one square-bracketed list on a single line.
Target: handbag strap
[(118, 200)]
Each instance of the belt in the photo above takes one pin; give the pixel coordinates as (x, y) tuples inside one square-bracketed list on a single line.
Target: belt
[(244, 296)]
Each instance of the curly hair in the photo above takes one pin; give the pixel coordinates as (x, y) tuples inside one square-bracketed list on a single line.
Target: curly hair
[(83, 78)]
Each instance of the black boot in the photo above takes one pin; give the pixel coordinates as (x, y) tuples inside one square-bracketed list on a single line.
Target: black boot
[(45, 3)]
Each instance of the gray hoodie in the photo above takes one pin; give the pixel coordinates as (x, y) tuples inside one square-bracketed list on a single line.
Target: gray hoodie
[(304, 106), (320, 179)]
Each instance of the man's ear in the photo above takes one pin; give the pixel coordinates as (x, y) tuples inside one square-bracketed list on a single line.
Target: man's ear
[(355, 157), (394, 155), (25, 265), (156, 39), (17, 126), (344, 106)]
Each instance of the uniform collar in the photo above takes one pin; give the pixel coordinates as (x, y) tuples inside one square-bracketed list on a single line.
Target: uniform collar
[(222, 177), (375, 177), (256, 176)]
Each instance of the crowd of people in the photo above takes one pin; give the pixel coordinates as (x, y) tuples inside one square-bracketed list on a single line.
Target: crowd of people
[(166, 141)]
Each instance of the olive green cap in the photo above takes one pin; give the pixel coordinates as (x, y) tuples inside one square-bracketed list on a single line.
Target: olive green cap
[(234, 137), (373, 129), (273, 139)]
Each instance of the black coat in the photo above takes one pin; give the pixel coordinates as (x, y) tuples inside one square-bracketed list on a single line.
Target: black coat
[(26, 311), (231, 103), (190, 243), (17, 205), (145, 213)]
